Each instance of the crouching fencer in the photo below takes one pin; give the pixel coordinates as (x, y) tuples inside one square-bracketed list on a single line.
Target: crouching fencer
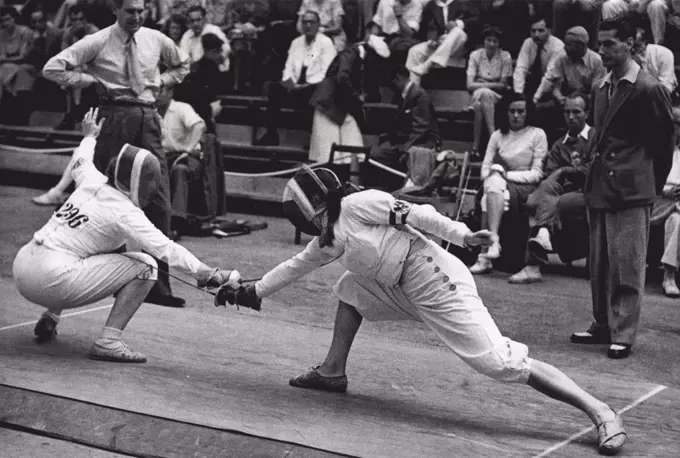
[(395, 273), (70, 262)]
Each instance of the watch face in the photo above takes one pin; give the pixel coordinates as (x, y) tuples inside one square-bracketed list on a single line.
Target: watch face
[(575, 158)]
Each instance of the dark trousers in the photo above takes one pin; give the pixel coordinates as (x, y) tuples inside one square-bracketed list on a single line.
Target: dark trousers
[(139, 126), (618, 255), (185, 176), (279, 97)]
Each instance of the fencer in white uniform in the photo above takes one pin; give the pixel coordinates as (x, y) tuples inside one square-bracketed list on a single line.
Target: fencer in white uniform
[(70, 262), (395, 273)]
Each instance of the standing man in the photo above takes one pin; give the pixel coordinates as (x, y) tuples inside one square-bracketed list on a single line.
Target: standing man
[(122, 61), (632, 152)]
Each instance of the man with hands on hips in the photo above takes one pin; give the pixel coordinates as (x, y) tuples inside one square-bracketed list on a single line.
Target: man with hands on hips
[(71, 261)]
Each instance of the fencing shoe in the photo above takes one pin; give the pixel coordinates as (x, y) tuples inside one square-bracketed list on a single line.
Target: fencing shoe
[(115, 351)]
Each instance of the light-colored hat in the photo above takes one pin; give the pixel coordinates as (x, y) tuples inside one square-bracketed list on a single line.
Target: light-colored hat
[(379, 46), (579, 33)]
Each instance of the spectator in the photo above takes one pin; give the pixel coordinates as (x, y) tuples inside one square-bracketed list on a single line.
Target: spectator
[(330, 14), (415, 132), (573, 69), (191, 40), (633, 150), (277, 37), (398, 21), (488, 78), (151, 15), (511, 170), (656, 11), (658, 61), (17, 75), (309, 57), (448, 26), (182, 130), (169, 8), (561, 193), (201, 87), (667, 212), (338, 100), (46, 39), (175, 27), (78, 27), (512, 17), (570, 13), (248, 19), (532, 62)]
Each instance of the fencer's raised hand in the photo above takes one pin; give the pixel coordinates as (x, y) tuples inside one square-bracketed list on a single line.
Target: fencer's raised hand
[(241, 295), (484, 238), (90, 127)]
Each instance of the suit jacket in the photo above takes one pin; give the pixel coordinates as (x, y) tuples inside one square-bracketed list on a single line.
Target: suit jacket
[(468, 11), (632, 150), (339, 93), (200, 88), (416, 121)]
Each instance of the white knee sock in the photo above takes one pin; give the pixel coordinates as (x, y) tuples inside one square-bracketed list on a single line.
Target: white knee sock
[(54, 316), (111, 333)]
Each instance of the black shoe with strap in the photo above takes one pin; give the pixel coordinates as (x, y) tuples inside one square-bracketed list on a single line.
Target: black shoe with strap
[(619, 351), (45, 329), (593, 336), (165, 300), (314, 381)]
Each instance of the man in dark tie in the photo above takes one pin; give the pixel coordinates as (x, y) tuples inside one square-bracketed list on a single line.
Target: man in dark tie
[(632, 154), (122, 61)]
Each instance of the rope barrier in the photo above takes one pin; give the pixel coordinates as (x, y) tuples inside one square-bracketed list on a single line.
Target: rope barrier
[(21, 149), (273, 174)]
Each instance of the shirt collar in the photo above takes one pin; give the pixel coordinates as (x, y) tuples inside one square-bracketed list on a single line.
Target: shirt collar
[(443, 4), (583, 134), (120, 32), (406, 89), (630, 76)]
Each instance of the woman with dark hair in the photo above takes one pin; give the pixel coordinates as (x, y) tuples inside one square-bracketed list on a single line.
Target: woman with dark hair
[(511, 170), (175, 27), (395, 273), (489, 74)]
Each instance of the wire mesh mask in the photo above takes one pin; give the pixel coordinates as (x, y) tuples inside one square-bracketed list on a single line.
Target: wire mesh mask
[(137, 174), (304, 198)]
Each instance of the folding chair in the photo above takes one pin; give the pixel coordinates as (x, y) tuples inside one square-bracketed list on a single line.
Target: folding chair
[(354, 168)]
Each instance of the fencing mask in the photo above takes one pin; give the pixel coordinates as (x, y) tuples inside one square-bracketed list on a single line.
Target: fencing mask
[(304, 198), (137, 174)]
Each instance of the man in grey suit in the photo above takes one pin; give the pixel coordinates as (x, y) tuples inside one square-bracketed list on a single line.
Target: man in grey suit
[(632, 152)]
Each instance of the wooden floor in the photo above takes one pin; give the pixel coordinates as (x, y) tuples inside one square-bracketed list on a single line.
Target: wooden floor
[(216, 382)]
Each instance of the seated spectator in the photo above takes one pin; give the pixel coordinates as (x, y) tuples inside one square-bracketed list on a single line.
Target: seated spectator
[(488, 78), (170, 8), (574, 69), (415, 132), (330, 14), (309, 57), (666, 211), (182, 130), (78, 27), (248, 19), (277, 37), (191, 40), (658, 61), (398, 21), (511, 171), (17, 75), (46, 39), (448, 26), (570, 13), (202, 85), (512, 17), (175, 27), (338, 101), (537, 51), (151, 15), (655, 10), (561, 192)]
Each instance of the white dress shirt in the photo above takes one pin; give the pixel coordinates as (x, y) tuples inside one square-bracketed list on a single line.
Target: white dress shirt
[(659, 62), (316, 56), (191, 44), (177, 124), (388, 22)]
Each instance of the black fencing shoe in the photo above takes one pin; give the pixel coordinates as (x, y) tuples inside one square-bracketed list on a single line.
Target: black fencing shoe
[(314, 381), (45, 329)]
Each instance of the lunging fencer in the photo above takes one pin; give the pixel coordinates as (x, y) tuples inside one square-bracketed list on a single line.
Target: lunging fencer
[(70, 262), (395, 273)]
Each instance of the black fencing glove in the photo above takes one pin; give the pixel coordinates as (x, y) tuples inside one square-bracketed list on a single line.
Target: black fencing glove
[(243, 295)]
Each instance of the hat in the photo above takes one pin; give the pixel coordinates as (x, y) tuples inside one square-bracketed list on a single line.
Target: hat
[(579, 33), (378, 45)]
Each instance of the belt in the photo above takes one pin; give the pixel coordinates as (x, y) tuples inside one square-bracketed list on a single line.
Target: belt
[(126, 102)]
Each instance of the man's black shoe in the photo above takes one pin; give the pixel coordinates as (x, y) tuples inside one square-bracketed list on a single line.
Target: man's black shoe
[(591, 338), (619, 351), (45, 329), (268, 139), (166, 300)]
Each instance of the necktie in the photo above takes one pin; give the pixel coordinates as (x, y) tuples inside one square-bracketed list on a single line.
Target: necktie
[(134, 72), (537, 65)]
